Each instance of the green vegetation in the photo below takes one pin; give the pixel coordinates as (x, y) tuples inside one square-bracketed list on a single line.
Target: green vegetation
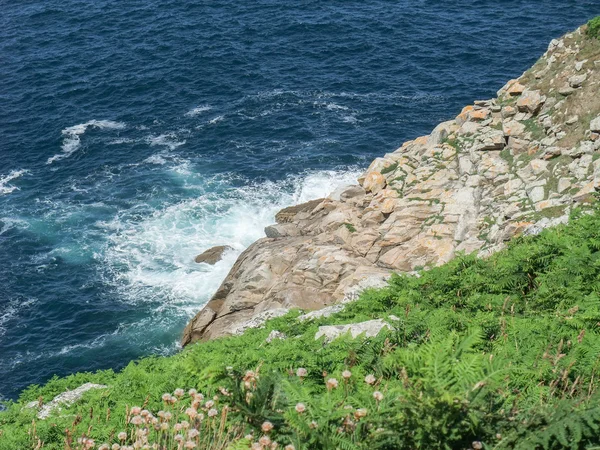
[(593, 27), (351, 228), (389, 168), (497, 353)]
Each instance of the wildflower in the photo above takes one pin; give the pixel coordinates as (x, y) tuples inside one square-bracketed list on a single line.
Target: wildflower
[(370, 379), (191, 412), (168, 416), (313, 425), (145, 413), (212, 412), (498, 436), (301, 372), (209, 404), (346, 374), (179, 437), (161, 414), (164, 426), (264, 441), (198, 397), (104, 447), (256, 446), (179, 393), (248, 436), (137, 420), (224, 391), (185, 424), (477, 445), (154, 421), (115, 447), (378, 396), (177, 427), (122, 436), (289, 447), (135, 410), (250, 375), (300, 408), (193, 433), (166, 397), (332, 383), (360, 413), (266, 426), (190, 444)]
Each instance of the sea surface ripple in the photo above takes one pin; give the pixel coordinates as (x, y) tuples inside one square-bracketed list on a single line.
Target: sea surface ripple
[(137, 134)]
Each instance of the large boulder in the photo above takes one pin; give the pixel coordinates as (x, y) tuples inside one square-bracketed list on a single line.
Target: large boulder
[(213, 255)]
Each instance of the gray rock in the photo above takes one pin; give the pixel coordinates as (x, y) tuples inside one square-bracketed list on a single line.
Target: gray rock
[(530, 101), (577, 80), (370, 328), (212, 255), (275, 334), (64, 399), (537, 194), (566, 90), (595, 125)]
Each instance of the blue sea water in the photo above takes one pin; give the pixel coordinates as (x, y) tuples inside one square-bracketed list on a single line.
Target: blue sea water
[(134, 135)]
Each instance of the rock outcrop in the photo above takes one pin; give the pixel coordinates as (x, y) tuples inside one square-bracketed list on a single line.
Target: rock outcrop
[(501, 168), (213, 255)]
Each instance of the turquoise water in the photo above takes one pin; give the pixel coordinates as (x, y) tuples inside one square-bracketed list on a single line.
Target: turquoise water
[(135, 135)]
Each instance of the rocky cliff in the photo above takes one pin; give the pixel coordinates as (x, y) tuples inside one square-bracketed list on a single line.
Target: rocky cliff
[(502, 167)]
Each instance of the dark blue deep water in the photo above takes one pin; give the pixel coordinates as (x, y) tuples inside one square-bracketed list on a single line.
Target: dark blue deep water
[(135, 134)]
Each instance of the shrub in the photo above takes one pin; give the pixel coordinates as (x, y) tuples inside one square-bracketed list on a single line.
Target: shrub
[(489, 353), (593, 27)]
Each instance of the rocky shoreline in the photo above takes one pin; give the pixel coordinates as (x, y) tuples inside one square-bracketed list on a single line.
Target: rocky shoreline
[(503, 167)]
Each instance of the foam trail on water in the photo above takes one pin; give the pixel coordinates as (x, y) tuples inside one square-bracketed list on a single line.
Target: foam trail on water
[(198, 110), (72, 136), (168, 140), (153, 260), (6, 188)]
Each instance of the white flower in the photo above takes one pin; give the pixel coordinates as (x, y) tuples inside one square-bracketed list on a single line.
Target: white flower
[(122, 436), (378, 396), (212, 412), (332, 383), (179, 393), (266, 426), (346, 374), (300, 408), (301, 372), (370, 379)]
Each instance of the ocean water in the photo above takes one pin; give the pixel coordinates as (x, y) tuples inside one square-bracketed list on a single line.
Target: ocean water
[(134, 135)]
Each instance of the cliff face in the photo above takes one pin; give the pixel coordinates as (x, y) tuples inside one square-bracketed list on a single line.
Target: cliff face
[(502, 167)]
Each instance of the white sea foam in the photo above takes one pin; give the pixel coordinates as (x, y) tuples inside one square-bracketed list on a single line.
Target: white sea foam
[(6, 188), (11, 310), (198, 110), (169, 140), (153, 260), (72, 136), (157, 159), (216, 120)]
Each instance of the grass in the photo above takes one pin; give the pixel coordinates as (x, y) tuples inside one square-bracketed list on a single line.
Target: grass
[(501, 351), (351, 228)]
